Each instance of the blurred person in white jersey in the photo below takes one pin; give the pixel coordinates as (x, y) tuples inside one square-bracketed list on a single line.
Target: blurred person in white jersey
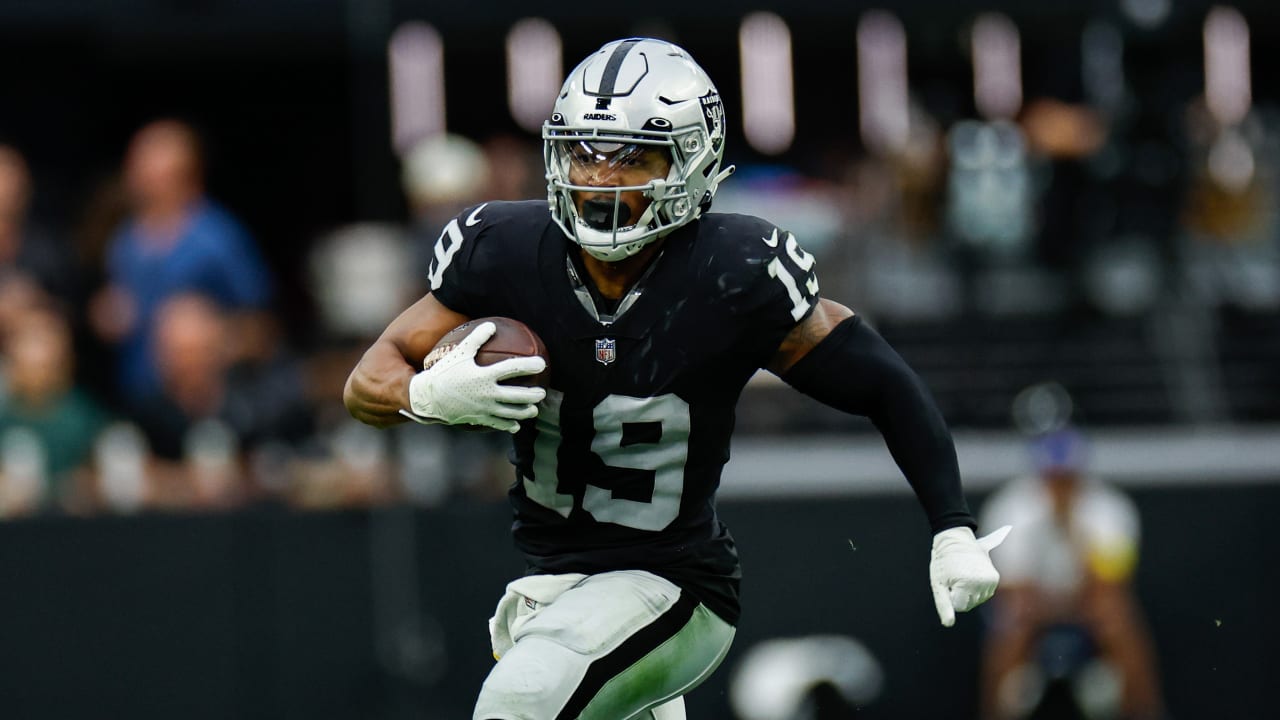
[(1067, 631)]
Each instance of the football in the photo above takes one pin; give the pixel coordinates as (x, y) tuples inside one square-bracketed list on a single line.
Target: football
[(512, 339)]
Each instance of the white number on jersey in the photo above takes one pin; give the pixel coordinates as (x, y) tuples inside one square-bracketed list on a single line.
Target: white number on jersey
[(665, 457), (542, 488), (447, 245), (801, 296)]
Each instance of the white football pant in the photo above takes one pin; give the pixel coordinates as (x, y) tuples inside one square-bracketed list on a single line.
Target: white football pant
[(613, 646)]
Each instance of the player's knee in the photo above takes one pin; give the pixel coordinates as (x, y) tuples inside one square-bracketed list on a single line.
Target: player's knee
[(515, 693), (532, 681)]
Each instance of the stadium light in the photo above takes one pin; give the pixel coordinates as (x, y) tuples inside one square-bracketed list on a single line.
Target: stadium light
[(1227, 84), (534, 71), (415, 55), (882, 82), (768, 103), (997, 66)]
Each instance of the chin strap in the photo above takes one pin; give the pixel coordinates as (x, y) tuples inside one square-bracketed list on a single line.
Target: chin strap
[(711, 189), (723, 175)]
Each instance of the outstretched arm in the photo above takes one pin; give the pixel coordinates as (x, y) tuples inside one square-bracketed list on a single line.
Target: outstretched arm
[(835, 358)]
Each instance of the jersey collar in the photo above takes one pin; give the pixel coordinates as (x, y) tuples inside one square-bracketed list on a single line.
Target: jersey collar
[(644, 304)]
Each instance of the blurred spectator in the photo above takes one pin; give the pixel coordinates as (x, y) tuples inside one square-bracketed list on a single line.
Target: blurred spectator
[(990, 193), (441, 175), (176, 240), (209, 411), (47, 424), (27, 251), (1230, 219), (991, 205), (516, 168), (1231, 178), (920, 169), (192, 358), (891, 264), (1065, 129), (1057, 129), (361, 275), (1067, 632)]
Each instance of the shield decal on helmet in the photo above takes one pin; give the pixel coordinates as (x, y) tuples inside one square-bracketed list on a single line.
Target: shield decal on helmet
[(713, 113), (606, 350)]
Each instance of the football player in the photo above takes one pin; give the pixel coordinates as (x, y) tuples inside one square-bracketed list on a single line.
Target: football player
[(655, 313)]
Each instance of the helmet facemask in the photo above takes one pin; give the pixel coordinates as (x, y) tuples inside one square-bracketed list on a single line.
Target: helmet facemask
[(595, 164)]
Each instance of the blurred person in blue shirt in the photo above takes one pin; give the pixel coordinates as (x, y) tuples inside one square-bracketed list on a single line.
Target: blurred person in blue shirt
[(176, 240)]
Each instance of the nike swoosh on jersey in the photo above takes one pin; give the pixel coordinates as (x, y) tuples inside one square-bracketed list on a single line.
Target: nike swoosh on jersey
[(472, 220), (772, 240)]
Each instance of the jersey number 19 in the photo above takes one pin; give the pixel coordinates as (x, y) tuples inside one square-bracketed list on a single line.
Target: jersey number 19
[(650, 434)]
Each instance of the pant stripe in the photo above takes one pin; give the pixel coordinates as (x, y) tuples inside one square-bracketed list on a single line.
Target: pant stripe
[(628, 653)]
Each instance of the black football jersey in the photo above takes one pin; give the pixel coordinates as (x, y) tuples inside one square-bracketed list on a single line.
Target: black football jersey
[(620, 468)]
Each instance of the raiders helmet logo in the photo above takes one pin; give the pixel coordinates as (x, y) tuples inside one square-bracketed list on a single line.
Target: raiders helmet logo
[(713, 112)]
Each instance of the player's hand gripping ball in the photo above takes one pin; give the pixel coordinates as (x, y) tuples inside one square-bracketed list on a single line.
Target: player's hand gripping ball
[(511, 339), (488, 373)]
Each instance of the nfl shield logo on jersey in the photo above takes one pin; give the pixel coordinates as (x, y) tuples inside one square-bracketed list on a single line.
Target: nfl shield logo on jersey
[(606, 350)]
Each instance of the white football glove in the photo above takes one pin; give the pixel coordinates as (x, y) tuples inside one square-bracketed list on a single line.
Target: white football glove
[(455, 390), (961, 572)]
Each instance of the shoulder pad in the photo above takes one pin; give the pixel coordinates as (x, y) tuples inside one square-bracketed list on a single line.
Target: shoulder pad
[(751, 262), (494, 225)]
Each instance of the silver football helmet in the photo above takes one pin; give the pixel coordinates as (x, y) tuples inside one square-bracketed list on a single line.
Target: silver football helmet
[(629, 97)]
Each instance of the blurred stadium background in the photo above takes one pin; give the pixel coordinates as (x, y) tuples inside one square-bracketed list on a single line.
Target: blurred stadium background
[(1013, 193)]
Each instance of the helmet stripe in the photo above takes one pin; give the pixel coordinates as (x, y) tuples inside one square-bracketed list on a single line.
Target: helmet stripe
[(614, 65)]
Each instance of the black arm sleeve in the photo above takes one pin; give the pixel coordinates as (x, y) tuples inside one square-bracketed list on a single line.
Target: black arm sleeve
[(853, 369)]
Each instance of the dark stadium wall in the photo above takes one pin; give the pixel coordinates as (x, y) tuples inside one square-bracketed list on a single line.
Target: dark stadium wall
[(282, 615)]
